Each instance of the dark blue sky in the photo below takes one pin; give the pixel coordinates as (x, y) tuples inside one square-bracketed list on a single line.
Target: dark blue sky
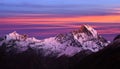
[(62, 2), (58, 6)]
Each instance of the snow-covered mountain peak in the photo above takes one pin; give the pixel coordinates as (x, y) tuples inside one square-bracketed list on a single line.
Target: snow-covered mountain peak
[(15, 36), (69, 44), (64, 37), (85, 33), (91, 30), (86, 29)]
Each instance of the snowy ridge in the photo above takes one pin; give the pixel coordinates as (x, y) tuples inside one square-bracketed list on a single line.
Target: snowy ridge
[(69, 44)]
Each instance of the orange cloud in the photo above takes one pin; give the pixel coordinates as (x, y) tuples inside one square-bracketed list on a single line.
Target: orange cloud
[(60, 20)]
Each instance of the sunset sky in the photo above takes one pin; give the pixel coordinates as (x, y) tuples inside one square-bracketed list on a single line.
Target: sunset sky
[(46, 18)]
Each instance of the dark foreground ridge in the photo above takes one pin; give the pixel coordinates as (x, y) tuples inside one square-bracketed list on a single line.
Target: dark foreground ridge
[(108, 58), (81, 49)]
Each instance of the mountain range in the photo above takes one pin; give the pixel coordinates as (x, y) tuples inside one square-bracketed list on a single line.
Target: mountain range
[(83, 48)]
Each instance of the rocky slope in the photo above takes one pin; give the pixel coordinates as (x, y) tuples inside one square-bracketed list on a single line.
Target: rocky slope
[(107, 58), (69, 44), (59, 52)]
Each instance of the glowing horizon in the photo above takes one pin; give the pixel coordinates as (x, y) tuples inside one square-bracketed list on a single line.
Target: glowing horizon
[(50, 17), (61, 20)]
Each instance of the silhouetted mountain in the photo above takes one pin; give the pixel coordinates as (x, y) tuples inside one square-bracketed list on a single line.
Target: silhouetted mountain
[(117, 37), (108, 58)]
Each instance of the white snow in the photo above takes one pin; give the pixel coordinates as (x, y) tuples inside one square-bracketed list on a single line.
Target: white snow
[(13, 35), (52, 46), (70, 51), (94, 32)]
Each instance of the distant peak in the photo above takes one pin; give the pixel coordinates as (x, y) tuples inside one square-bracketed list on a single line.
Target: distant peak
[(68, 44), (15, 36), (86, 26), (86, 29), (13, 33)]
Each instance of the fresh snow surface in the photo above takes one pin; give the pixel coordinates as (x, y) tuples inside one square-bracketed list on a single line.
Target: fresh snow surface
[(66, 44)]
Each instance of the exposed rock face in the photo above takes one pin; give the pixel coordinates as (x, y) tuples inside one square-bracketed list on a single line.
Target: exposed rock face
[(108, 58), (59, 52), (69, 44)]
